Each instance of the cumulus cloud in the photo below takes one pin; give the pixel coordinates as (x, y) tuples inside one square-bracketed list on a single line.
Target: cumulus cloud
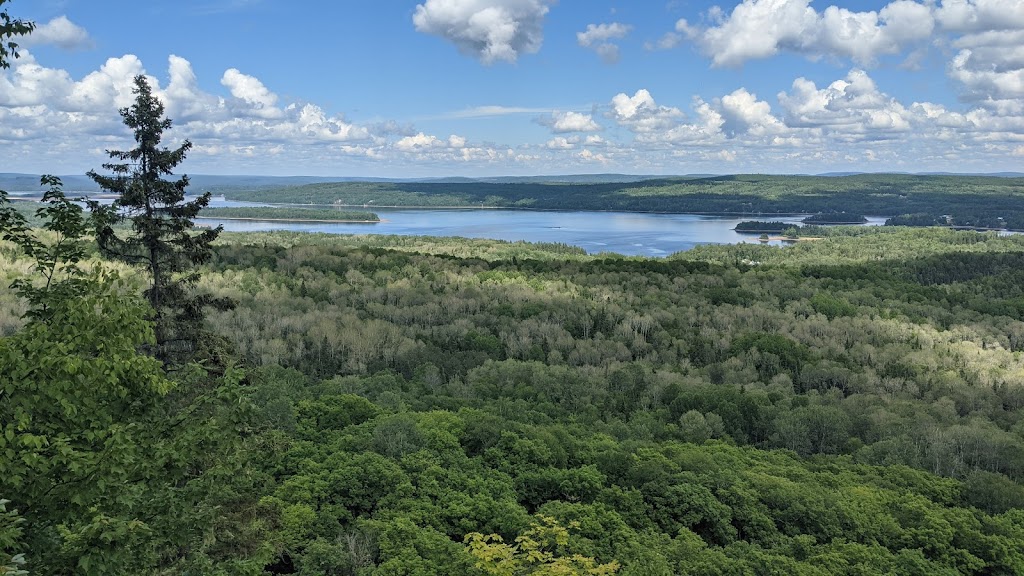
[(746, 114), (419, 141), (49, 106), (640, 113), (490, 30), (763, 28), (561, 143), (988, 36), (990, 61), (990, 74), (257, 98), (852, 108), (423, 141), (655, 124), (563, 122), (59, 32), (587, 156), (980, 15), (599, 37)]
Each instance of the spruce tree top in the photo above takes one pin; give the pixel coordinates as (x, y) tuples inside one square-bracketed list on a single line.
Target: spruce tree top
[(138, 176), (161, 240)]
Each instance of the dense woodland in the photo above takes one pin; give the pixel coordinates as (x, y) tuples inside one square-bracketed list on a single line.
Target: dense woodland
[(844, 406), (970, 201)]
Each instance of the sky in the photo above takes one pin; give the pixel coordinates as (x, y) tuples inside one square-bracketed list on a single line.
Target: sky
[(428, 88)]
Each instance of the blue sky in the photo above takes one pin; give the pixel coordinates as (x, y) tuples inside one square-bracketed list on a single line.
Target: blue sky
[(489, 87)]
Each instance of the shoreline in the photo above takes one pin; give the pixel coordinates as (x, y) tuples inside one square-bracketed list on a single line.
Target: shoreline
[(297, 220)]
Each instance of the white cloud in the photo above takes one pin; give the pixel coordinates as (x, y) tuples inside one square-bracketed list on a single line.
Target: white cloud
[(989, 36), (721, 155), (763, 28), (185, 101), (108, 88), (990, 62), (563, 122), (986, 76), (598, 37), (746, 114), (52, 109), (980, 15), (705, 131), (59, 32), (422, 142), (640, 113), (561, 143), (490, 30), (259, 100), (588, 156), (419, 141), (852, 108), (50, 119)]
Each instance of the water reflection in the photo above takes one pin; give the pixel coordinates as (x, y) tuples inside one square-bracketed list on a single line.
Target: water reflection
[(629, 233)]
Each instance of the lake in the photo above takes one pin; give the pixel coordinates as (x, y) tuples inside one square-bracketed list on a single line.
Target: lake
[(629, 233)]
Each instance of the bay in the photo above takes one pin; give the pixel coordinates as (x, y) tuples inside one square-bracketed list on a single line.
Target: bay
[(628, 233)]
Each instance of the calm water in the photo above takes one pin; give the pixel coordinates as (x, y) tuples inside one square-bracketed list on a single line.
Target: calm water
[(620, 232), (629, 233)]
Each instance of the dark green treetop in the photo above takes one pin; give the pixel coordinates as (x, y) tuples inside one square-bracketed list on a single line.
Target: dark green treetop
[(161, 239)]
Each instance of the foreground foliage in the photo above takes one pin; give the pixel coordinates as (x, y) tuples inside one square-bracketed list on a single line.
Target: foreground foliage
[(109, 466)]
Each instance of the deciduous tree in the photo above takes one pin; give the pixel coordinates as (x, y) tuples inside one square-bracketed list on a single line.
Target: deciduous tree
[(9, 28)]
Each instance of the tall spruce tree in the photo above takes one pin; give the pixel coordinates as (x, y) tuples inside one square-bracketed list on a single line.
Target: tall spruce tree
[(161, 237)]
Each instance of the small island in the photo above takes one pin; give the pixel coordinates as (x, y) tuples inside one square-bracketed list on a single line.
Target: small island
[(288, 214), (758, 227), (835, 218)]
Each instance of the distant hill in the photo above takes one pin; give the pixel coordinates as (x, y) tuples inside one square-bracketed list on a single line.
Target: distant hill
[(19, 182)]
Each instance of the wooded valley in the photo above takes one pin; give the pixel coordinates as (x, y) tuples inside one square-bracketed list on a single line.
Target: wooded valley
[(845, 406)]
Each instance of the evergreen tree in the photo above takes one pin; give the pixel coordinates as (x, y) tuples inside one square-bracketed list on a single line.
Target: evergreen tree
[(161, 238)]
